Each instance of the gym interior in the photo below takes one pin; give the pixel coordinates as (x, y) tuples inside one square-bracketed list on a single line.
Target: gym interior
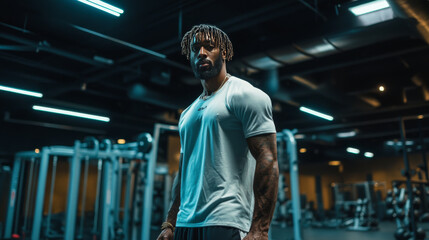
[(91, 94)]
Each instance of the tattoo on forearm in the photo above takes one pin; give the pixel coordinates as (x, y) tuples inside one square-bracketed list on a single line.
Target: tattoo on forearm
[(265, 186)]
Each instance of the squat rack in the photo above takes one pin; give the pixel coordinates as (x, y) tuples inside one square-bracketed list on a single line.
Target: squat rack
[(76, 154)]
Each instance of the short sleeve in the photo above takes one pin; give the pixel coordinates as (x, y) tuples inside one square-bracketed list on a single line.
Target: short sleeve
[(254, 109)]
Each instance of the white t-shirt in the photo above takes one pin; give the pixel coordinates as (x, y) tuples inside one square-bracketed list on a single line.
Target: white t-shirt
[(217, 166)]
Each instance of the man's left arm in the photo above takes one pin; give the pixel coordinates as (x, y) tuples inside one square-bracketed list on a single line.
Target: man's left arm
[(265, 186)]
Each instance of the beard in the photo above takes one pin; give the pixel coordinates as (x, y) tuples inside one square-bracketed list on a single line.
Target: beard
[(208, 72)]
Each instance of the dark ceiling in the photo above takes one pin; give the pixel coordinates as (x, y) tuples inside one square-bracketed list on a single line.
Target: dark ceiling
[(311, 53)]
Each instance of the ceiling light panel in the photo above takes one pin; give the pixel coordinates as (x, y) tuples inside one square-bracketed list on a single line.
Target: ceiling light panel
[(21, 91), (71, 113), (369, 7)]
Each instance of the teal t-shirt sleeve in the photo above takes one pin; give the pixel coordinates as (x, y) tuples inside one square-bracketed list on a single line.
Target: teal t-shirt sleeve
[(254, 109)]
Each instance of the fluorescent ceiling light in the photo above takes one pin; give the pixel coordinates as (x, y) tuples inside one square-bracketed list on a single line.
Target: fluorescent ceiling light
[(104, 7), (368, 154), (399, 143), (20, 91), (346, 134), (353, 150), (71, 113), (369, 7), (299, 136), (108, 6), (315, 113)]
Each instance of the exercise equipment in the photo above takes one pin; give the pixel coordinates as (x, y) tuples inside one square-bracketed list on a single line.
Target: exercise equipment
[(354, 205), (5, 175), (105, 222), (321, 220), (125, 178), (404, 209), (281, 211), (411, 229), (288, 160), (23, 174), (363, 220)]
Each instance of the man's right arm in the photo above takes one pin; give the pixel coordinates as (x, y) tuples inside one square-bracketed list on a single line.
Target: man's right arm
[(175, 195), (167, 234)]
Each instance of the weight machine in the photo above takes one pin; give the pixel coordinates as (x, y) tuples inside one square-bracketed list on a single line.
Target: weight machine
[(109, 158), (358, 197)]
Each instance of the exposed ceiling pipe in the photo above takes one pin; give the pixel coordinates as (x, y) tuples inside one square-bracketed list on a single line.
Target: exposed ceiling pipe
[(16, 28), (8, 119), (45, 46), (18, 48), (383, 134), (313, 9), (359, 124), (38, 65), (305, 82), (121, 42)]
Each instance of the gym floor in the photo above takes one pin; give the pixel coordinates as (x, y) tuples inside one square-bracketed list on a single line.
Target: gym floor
[(386, 232)]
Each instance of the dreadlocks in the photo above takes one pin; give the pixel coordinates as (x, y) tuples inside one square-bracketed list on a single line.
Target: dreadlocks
[(219, 38)]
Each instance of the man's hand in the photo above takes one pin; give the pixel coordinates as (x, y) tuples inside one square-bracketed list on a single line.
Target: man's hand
[(167, 234), (256, 236)]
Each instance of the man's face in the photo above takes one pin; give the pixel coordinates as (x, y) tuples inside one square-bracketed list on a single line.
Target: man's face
[(206, 59)]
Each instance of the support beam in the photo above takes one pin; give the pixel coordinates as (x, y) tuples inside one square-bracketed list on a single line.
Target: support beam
[(40, 194), (37, 65), (45, 46), (73, 193), (11, 204), (18, 48)]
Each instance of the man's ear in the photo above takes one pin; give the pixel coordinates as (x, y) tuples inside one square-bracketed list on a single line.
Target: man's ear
[(224, 55)]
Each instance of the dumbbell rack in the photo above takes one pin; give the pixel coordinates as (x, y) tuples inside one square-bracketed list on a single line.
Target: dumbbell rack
[(405, 211)]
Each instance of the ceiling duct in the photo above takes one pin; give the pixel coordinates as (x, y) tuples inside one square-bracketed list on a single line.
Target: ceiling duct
[(320, 47), (417, 9), (323, 46), (317, 47), (288, 55)]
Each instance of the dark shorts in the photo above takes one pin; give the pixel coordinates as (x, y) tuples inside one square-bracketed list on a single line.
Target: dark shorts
[(207, 233)]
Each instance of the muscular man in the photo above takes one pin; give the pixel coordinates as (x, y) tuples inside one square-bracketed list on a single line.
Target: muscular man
[(226, 187)]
